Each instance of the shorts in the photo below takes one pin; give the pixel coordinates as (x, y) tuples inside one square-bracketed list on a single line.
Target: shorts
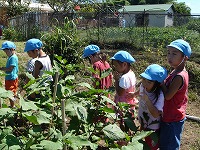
[(170, 135), (12, 85)]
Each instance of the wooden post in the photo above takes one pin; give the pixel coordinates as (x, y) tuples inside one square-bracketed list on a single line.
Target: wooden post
[(63, 120), (54, 94), (194, 118)]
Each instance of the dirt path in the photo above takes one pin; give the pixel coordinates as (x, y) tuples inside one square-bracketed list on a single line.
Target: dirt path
[(191, 132)]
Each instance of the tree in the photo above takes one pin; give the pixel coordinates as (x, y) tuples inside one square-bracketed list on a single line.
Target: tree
[(60, 5), (182, 8), (141, 2), (16, 8)]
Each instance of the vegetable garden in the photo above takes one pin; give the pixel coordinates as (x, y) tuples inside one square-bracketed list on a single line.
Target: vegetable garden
[(71, 114)]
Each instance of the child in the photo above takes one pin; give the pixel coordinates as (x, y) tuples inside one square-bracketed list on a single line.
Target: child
[(151, 101), (175, 90), (40, 60), (34, 49), (125, 79), (11, 69), (98, 60), (31, 63)]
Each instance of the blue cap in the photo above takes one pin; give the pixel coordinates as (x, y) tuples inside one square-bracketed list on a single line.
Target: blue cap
[(123, 56), (90, 49), (155, 72), (8, 45), (33, 44), (182, 46)]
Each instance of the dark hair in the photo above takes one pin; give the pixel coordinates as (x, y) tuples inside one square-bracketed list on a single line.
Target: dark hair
[(156, 90), (103, 57)]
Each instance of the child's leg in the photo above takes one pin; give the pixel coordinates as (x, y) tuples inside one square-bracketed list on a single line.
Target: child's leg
[(170, 135), (12, 85)]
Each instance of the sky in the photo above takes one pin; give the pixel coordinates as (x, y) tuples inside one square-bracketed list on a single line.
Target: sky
[(193, 4)]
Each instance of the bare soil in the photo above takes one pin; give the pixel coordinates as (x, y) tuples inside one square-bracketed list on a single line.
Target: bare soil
[(191, 132)]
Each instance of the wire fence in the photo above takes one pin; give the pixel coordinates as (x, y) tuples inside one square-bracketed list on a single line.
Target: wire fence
[(44, 21)]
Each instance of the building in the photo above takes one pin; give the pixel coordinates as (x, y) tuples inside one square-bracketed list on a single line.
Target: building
[(158, 15)]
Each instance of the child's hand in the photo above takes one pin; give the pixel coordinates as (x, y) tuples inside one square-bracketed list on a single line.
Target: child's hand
[(116, 75)]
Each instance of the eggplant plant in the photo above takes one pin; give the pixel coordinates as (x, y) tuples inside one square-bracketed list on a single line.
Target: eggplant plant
[(81, 118)]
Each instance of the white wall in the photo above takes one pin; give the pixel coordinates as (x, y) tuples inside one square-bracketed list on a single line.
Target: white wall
[(169, 19)]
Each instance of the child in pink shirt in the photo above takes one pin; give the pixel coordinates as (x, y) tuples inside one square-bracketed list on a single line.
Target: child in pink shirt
[(125, 79), (125, 82), (97, 59)]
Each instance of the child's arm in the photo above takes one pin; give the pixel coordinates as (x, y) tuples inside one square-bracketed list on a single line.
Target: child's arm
[(176, 83), (152, 109), (120, 91), (9, 69), (38, 67)]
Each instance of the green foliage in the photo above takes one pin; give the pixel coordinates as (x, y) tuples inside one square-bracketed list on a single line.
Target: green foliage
[(64, 42), (12, 34), (194, 24), (138, 38), (33, 125), (141, 2), (182, 8), (16, 8), (64, 5)]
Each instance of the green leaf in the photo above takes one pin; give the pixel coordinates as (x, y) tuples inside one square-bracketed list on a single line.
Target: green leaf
[(84, 85), (79, 141), (70, 77), (141, 135), (38, 118), (28, 105), (113, 132), (49, 145), (106, 99), (108, 110), (81, 113), (42, 119), (32, 119), (106, 73), (11, 140), (133, 146), (131, 124), (5, 94), (69, 107), (3, 146), (6, 111)]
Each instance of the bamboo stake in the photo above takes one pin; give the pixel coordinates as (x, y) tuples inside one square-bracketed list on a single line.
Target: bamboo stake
[(63, 121), (54, 94), (193, 118)]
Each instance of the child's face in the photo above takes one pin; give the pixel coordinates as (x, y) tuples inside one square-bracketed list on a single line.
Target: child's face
[(33, 54), (174, 57), (93, 58), (8, 52), (117, 66), (147, 84)]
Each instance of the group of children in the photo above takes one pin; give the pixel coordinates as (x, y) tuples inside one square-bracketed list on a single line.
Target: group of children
[(39, 63), (162, 97)]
